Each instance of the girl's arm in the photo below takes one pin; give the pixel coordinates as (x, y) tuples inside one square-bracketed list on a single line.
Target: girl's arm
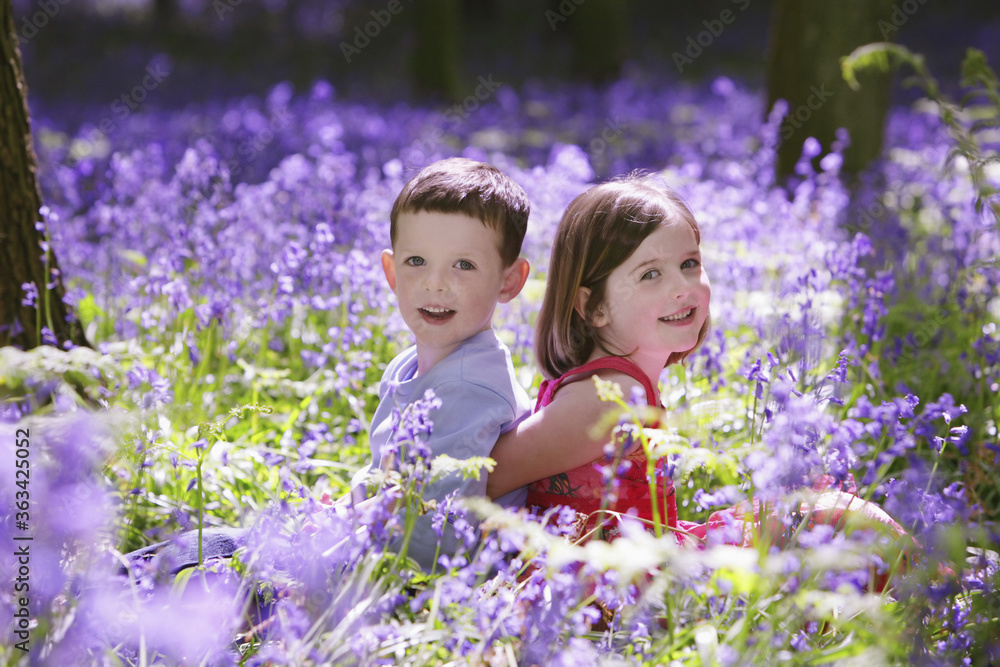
[(557, 438)]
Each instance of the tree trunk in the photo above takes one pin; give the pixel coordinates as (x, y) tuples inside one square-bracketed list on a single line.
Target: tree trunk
[(600, 35), (808, 39), (165, 13), (435, 56), (21, 254)]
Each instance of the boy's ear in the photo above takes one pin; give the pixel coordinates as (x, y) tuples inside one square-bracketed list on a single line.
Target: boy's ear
[(389, 268), (596, 319), (513, 280)]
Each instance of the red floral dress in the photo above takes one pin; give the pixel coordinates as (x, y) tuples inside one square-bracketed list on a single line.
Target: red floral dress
[(583, 488)]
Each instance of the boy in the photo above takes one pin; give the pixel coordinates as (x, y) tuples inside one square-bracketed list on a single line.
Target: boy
[(456, 231)]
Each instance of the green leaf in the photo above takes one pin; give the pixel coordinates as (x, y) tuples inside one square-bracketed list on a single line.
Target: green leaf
[(133, 256), (877, 56), (88, 311), (470, 468), (181, 581)]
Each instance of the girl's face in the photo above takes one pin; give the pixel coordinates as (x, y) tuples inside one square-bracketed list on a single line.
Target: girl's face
[(657, 300)]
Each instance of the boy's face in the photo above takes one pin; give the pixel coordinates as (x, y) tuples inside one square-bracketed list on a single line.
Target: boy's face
[(446, 271)]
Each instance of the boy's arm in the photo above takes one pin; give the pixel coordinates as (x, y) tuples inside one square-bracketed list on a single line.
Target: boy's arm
[(467, 424), (557, 438)]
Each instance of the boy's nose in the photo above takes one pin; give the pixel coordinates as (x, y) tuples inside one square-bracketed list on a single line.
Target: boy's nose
[(435, 281)]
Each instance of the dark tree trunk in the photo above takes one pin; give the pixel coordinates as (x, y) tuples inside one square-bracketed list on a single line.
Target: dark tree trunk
[(600, 33), (21, 255), (436, 52), (165, 13), (808, 39)]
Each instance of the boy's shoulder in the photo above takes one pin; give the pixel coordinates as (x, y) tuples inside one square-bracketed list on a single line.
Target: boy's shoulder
[(482, 359), (402, 365), (479, 383)]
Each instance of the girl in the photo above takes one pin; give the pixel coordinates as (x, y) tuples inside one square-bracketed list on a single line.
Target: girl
[(626, 296)]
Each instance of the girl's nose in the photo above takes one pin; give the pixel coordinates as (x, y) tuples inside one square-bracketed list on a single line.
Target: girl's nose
[(683, 287)]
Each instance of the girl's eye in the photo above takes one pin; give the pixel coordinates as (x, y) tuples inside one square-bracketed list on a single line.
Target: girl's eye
[(690, 264), (465, 265), (649, 275), (415, 261)]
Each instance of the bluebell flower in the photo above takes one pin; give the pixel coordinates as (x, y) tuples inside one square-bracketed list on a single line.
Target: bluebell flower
[(724, 496), (30, 297)]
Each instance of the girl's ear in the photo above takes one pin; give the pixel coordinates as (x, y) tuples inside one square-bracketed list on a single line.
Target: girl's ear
[(597, 319), (513, 280), (389, 268)]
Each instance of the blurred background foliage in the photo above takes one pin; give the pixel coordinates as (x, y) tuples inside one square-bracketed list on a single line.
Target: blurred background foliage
[(436, 51), (86, 50)]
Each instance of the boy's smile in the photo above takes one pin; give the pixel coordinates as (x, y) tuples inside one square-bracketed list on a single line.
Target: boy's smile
[(434, 315), (447, 274)]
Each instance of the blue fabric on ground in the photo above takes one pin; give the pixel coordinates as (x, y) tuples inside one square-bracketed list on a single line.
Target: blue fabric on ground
[(182, 551)]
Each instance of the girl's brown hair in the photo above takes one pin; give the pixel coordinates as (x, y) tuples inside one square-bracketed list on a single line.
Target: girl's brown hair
[(600, 229)]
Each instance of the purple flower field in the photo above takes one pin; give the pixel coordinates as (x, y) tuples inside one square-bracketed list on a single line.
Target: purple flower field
[(224, 261)]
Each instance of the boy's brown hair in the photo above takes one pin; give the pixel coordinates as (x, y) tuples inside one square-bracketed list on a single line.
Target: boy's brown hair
[(476, 189), (600, 229)]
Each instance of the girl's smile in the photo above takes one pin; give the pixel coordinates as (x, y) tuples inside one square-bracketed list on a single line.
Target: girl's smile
[(657, 300), (682, 317)]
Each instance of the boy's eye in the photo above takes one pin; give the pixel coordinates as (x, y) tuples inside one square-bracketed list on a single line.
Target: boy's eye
[(690, 264), (465, 265), (415, 261), (649, 275)]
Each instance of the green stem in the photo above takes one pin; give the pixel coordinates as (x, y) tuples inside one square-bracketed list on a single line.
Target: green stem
[(437, 554), (934, 468), (201, 503), (207, 353), (653, 495), (48, 293), (410, 523)]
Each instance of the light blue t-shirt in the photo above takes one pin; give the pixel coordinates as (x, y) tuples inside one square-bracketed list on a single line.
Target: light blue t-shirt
[(480, 399)]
